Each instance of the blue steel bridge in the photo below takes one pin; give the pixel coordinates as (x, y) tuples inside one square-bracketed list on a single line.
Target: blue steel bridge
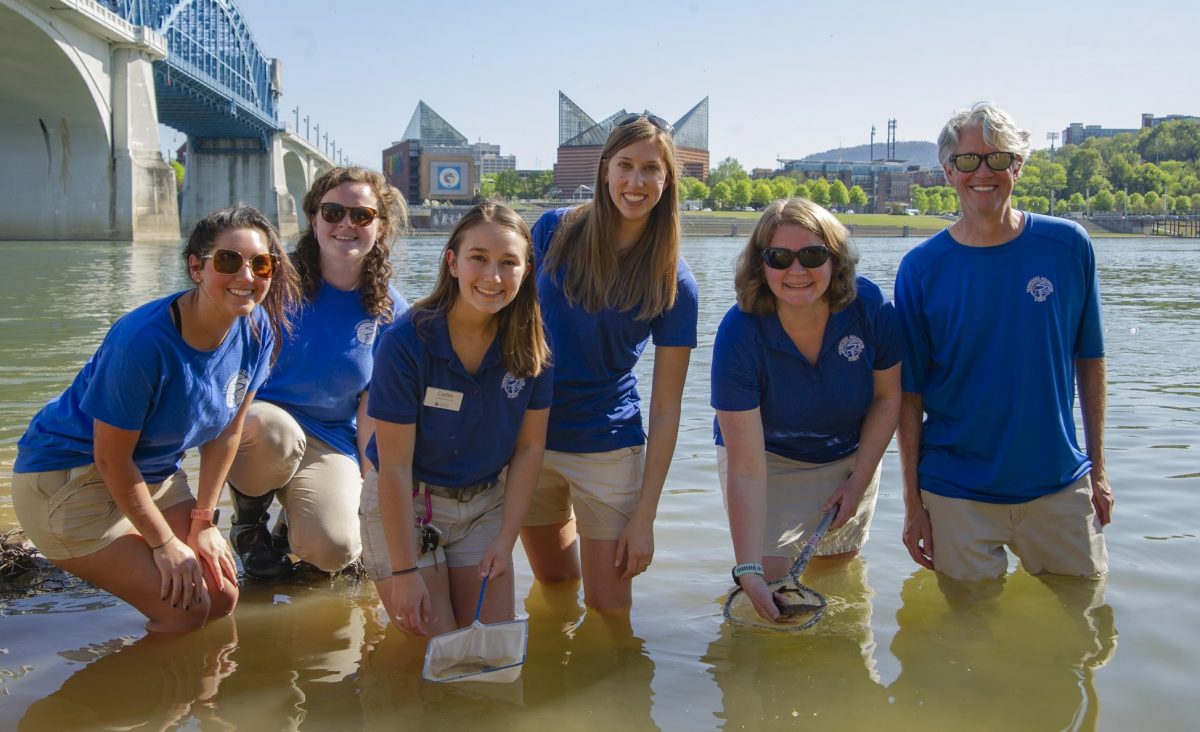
[(214, 82)]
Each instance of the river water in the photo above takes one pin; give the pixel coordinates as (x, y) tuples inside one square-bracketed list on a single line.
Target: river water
[(894, 650)]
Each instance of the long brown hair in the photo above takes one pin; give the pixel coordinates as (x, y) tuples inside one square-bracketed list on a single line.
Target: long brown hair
[(644, 276), (519, 324), (750, 282), (283, 295), (377, 265)]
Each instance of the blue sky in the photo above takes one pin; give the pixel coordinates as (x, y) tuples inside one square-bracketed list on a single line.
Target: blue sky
[(784, 79)]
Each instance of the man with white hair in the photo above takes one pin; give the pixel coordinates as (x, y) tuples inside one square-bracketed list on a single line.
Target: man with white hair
[(1002, 318)]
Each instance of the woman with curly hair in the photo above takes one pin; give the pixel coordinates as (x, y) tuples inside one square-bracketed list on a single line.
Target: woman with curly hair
[(304, 437)]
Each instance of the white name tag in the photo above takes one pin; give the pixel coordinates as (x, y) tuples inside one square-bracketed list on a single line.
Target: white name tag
[(443, 399)]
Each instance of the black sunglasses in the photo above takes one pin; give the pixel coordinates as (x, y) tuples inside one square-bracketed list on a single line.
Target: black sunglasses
[(333, 213), (655, 120), (969, 162), (808, 257), (229, 262)]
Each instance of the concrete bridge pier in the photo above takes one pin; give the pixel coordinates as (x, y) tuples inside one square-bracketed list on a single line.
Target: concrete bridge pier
[(222, 171), (144, 202)]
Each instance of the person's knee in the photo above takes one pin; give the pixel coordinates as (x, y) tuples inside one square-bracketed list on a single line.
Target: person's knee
[(331, 556), (180, 619), (223, 601)]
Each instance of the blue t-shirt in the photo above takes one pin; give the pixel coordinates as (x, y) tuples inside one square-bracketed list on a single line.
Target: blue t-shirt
[(809, 413), (145, 377), (596, 403), (326, 363), (992, 335), (467, 426)]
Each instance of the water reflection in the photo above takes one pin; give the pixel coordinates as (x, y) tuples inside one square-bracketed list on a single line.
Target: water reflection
[(822, 676), (1015, 653), (155, 683)]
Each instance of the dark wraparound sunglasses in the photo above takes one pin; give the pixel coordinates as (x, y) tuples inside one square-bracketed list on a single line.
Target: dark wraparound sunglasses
[(333, 213), (655, 120), (808, 257), (229, 262), (969, 162)]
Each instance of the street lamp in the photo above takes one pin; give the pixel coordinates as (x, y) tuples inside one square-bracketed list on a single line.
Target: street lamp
[(1053, 138)]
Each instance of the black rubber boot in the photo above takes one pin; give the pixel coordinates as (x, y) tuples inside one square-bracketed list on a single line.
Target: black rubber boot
[(279, 535), (252, 541)]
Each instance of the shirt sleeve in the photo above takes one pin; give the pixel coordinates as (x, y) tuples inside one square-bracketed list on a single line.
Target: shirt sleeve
[(1090, 343), (889, 337), (543, 389), (120, 392), (677, 325), (395, 380), (543, 232), (265, 342), (912, 323), (734, 377)]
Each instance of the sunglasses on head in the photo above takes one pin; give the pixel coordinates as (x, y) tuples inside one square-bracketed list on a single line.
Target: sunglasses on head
[(655, 120), (333, 213), (808, 257), (969, 162), (229, 262)]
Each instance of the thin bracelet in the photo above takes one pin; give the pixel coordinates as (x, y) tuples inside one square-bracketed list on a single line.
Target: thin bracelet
[(160, 546), (410, 570)]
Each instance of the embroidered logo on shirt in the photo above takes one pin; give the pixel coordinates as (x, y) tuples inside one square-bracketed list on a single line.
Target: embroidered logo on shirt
[(365, 332), (511, 385), (1040, 288), (851, 347), (235, 389)]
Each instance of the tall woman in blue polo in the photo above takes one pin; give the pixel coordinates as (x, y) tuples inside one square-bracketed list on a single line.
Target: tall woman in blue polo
[(806, 384), (306, 434), (97, 483), (610, 277), (460, 398)]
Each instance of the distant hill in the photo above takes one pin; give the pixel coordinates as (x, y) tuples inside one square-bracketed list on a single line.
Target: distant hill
[(914, 152)]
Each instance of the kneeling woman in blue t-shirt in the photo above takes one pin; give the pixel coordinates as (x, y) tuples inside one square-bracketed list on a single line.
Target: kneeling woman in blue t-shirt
[(97, 484), (461, 389), (806, 384)]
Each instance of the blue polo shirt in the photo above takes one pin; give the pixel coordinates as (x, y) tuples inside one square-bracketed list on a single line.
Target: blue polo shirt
[(596, 403), (810, 412), (144, 377), (992, 337), (467, 425), (326, 363)]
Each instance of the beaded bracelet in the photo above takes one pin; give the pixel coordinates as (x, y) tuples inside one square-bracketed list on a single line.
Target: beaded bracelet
[(410, 570)]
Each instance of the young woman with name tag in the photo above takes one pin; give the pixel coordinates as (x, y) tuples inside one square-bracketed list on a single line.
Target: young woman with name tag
[(97, 483), (460, 397), (610, 278)]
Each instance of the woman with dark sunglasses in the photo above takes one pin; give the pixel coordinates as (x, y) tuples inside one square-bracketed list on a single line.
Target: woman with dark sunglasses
[(806, 384), (610, 278), (97, 483), (305, 434)]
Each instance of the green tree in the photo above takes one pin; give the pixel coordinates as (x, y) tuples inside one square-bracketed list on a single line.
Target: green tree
[(728, 169), (803, 190), (1120, 201), (783, 186), (920, 199), (740, 192), (1076, 202), (487, 186), (1181, 204), (1195, 201), (1137, 204), (858, 198), (1149, 177), (692, 189), (818, 189), (179, 172), (838, 195), (761, 193), (1104, 201), (508, 184), (722, 194), (1153, 202)]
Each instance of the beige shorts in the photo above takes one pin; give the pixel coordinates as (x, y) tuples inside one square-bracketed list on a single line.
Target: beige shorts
[(795, 492), (1055, 534), (467, 527), (600, 489), (70, 513)]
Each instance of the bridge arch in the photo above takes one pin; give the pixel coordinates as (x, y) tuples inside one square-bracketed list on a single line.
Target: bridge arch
[(55, 127)]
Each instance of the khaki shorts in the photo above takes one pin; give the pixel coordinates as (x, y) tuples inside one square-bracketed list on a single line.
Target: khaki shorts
[(1056, 534), (70, 513), (467, 527), (600, 489), (795, 492)]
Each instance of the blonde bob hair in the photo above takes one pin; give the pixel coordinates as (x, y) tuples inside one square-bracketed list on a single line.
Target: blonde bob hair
[(523, 345), (754, 295), (644, 276)]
